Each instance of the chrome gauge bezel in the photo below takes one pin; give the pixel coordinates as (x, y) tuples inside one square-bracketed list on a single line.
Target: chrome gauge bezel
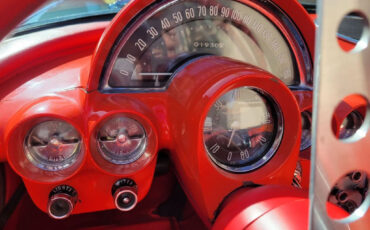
[(272, 12), (134, 155), (267, 156), (51, 166)]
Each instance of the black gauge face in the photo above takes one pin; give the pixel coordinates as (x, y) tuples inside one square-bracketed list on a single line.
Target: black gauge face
[(242, 130), (168, 34)]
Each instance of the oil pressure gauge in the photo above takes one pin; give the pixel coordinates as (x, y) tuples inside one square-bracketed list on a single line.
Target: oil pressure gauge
[(243, 130), (122, 140)]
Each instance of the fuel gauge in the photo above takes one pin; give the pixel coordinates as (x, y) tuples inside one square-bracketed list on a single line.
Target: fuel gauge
[(121, 140)]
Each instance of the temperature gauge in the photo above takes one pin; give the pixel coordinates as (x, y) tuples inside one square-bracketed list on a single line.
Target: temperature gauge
[(243, 130)]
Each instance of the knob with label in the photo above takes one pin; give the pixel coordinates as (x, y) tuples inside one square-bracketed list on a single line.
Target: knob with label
[(62, 200), (124, 194)]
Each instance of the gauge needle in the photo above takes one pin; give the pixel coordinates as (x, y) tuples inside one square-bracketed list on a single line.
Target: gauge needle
[(234, 126), (231, 138)]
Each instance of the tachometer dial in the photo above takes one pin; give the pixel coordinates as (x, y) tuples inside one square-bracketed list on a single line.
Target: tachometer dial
[(242, 130), (121, 140), (169, 33)]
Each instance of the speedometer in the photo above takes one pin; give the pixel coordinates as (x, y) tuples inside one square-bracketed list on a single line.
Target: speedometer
[(170, 33)]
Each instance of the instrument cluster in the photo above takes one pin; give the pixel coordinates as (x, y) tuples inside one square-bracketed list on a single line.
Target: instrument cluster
[(222, 85)]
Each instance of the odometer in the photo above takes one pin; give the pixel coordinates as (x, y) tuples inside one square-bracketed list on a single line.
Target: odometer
[(169, 33)]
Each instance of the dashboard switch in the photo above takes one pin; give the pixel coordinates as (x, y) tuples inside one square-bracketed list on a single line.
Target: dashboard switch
[(62, 200), (125, 194)]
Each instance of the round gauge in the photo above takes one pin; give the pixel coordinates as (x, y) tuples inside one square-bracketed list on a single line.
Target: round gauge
[(122, 140), (243, 130), (170, 33), (53, 145)]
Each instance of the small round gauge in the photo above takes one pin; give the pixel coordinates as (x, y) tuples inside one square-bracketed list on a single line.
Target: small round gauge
[(121, 140), (53, 145), (243, 130)]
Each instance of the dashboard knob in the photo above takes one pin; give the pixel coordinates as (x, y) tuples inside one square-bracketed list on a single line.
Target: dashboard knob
[(62, 200), (125, 195)]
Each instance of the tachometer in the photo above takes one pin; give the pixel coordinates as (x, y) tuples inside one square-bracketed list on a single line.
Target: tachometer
[(169, 33), (243, 130)]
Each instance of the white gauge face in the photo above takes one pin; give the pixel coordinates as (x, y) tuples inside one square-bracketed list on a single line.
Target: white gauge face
[(121, 140), (242, 130), (53, 145)]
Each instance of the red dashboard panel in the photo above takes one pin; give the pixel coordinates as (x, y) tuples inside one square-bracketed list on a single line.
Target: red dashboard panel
[(63, 83)]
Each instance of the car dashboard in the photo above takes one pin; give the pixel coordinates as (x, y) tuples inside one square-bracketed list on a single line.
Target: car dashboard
[(213, 95)]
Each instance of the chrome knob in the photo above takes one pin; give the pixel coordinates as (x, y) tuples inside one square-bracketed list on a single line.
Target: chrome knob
[(125, 195), (62, 200)]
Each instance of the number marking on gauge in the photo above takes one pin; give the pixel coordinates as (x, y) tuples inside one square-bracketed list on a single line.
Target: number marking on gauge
[(141, 44), (153, 32), (244, 154), (215, 148), (229, 156)]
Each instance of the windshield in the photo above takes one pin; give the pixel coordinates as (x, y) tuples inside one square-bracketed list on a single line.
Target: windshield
[(308, 2), (55, 11)]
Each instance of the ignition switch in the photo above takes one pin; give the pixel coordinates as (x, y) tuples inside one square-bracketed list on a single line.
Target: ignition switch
[(62, 200), (124, 194)]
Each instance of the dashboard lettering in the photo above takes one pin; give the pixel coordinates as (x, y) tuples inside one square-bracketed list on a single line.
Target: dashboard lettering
[(229, 156), (130, 58), (225, 12), (141, 44), (152, 32), (219, 105), (208, 44), (215, 148), (177, 17), (123, 72), (213, 11), (165, 23), (190, 13), (202, 11), (244, 155), (236, 15)]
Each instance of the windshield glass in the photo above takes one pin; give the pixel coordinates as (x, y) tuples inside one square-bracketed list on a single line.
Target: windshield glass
[(55, 11), (308, 2)]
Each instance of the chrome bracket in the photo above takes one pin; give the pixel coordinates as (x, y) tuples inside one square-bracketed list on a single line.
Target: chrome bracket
[(338, 74)]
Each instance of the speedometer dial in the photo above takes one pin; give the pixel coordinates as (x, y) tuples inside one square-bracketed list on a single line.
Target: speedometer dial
[(170, 33)]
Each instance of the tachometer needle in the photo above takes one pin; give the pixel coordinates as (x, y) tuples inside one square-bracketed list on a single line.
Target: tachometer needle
[(234, 126), (231, 138)]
